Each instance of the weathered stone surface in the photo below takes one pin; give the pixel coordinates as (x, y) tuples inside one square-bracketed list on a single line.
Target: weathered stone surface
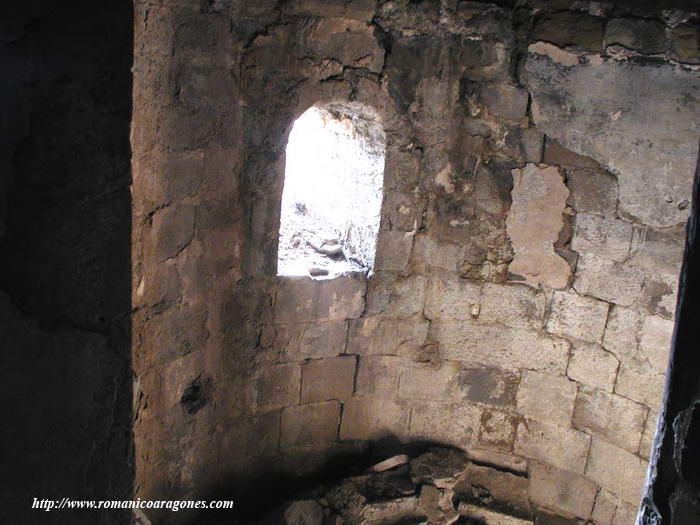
[(637, 380), (505, 102), (347, 41), (631, 118), (499, 346), (618, 420), (311, 340), (378, 375), (490, 386), (302, 299), (659, 295), (330, 378), (381, 336), (626, 514), (449, 297), (562, 447), (428, 382), (479, 514), (604, 509), (515, 305), (569, 28), (576, 316), (684, 43), (393, 250), (646, 36), (613, 282), (453, 424), (561, 490), (622, 331), (546, 398), (277, 386), (498, 429), (655, 342), (592, 191), (306, 512), (616, 470), (391, 295), (366, 418), (534, 222), (603, 236), (591, 365), (501, 460), (307, 425), (357, 9)]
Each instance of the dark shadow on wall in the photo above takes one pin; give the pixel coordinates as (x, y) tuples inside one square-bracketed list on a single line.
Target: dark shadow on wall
[(673, 491), (65, 270)]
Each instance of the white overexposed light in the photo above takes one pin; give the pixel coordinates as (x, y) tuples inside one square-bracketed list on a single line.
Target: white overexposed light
[(332, 192)]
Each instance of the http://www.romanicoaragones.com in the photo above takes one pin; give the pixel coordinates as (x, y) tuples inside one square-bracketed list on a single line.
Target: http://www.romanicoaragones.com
[(173, 505)]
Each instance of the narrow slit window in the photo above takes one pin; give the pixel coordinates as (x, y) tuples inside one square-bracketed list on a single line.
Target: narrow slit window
[(332, 195)]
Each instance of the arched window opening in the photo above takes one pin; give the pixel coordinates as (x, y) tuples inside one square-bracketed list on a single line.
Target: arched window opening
[(332, 194)]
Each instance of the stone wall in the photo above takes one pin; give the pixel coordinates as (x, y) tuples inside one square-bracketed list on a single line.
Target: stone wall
[(538, 170), (65, 106)]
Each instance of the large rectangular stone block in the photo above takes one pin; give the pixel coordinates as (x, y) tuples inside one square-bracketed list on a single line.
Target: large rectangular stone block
[(392, 295), (449, 297), (592, 365), (622, 332), (371, 419), (500, 346), (558, 489), (429, 382), (617, 470), (488, 385), (516, 305), (562, 447), (310, 425), (302, 299), (277, 386), (382, 336), (637, 380), (453, 424), (546, 397), (301, 341), (576, 316), (615, 418), (606, 237), (330, 378), (378, 375), (429, 254), (607, 280)]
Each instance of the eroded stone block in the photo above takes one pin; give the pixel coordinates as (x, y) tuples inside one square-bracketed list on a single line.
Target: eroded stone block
[(367, 418), (561, 490), (617, 419), (392, 295), (562, 447), (311, 340), (512, 305), (428, 382), (622, 331), (546, 397), (505, 102), (330, 378), (616, 470), (608, 280), (454, 424), (308, 425), (490, 386), (592, 365), (277, 386), (592, 191), (302, 299), (645, 36), (381, 336), (603, 236), (378, 375), (576, 316), (449, 297), (498, 429)]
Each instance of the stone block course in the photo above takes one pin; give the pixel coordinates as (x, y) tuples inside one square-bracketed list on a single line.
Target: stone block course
[(309, 425), (559, 446), (616, 419), (330, 378), (519, 306), (607, 280), (592, 365), (546, 398), (561, 490), (499, 346), (616, 470), (577, 316)]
